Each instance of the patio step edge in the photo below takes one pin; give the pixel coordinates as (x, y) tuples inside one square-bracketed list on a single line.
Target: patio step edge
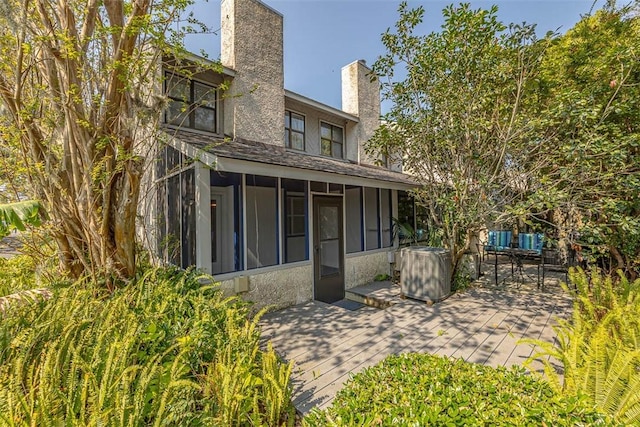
[(369, 300)]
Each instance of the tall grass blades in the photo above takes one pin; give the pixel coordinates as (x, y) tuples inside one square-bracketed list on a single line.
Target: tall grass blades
[(137, 357), (598, 348)]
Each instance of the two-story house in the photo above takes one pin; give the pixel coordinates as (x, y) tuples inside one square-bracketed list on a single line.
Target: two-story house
[(268, 190)]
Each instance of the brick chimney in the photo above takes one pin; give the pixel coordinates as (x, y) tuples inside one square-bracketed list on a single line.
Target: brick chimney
[(252, 45)]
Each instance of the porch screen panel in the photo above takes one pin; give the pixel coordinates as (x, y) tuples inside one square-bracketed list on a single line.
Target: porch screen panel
[(295, 227), (385, 218), (422, 223), (176, 215), (353, 226), (226, 222), (262, 221), (371, 218), (173, 239), (161, 219), (188, 242), (406, 217)]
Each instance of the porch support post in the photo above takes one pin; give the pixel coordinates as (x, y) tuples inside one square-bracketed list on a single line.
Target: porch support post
[(203, 217)]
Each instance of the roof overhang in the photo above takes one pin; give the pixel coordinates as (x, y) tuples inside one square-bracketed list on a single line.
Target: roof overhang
[(320, 106), (259, 159)]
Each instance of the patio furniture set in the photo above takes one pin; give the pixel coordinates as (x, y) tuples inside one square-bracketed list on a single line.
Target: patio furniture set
[(527, 247)]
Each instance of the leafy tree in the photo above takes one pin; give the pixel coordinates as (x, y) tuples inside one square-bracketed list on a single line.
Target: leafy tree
[(459, 116), (79, 103), (590, 96), (14, 216)]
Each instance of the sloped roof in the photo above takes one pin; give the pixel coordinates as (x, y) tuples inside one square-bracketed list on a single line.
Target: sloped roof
[(259, 152)]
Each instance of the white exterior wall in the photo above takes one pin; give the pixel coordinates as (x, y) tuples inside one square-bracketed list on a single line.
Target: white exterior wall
[(252, 45), (361, 268), (312, 119), (287, 286), (280, 288)]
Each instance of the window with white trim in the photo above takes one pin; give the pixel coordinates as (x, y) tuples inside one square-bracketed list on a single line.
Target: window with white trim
[(192, 104), (331, 140), (294, 130)]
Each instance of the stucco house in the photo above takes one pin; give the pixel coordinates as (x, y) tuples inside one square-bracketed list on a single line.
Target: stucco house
[(269, 191)]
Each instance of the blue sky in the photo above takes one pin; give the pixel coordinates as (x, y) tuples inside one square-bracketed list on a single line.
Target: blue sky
[(321, 36)]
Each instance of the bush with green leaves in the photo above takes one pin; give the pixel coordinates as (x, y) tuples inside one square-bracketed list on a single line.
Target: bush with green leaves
[(17, 274), (165, 350), (427, 390), (598, 348)]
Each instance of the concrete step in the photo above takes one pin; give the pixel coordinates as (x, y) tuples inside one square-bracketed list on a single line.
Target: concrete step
[(376, 294)]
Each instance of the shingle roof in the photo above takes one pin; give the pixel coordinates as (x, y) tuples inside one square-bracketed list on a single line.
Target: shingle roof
[(277, 155)]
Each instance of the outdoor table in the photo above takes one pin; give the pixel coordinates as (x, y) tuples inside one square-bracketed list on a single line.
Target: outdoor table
[(516, 255)]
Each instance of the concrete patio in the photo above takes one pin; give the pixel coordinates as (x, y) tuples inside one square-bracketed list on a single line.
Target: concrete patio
[(328, 343)]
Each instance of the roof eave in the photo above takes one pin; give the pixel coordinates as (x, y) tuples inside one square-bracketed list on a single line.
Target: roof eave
[(320, 106)]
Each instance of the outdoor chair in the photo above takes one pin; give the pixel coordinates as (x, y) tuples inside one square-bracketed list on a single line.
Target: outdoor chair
[(552, 260), (498, 240)]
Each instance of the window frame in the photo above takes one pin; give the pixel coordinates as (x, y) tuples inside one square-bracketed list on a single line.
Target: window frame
[(291, 216), (192, 104), (290, 130), (333, 141)]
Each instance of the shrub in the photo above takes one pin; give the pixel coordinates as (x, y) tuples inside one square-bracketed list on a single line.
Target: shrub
[(157, 352), (17, 274), (427, 390), (598, 348)]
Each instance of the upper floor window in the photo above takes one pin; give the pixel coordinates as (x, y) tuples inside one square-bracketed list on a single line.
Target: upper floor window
[(294, 130), (192, 104), (331, 140)]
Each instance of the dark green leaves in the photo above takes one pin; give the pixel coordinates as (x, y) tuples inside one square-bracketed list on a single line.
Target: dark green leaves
[(426, 390), (15, 216)]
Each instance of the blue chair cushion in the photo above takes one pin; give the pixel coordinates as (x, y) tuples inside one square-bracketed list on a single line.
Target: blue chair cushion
[(531, 241), (498, 240)]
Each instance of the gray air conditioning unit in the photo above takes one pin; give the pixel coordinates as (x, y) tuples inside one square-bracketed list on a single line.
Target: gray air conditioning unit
[(425, 273)]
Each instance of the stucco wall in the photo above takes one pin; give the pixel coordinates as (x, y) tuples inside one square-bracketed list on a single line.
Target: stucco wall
[(290, 286), (361, 269), (312, 119), (361, 97), (252, 45), (278, 288)]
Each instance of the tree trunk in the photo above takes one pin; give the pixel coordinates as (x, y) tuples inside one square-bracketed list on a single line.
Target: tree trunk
[(124, 210)]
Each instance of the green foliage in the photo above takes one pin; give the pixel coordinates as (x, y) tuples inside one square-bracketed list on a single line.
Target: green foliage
[(589, 135), (15, 216), (461, 279), (148, 354), (426, 390), (404, 232), (382, 277), (17, 274), (599, 347), (79, 110), (458, 118)]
